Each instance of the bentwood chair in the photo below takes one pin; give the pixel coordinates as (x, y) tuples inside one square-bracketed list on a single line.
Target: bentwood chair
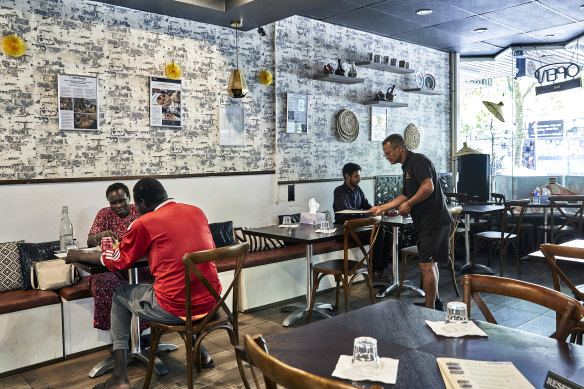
[(508, 234), (220, 317), (569, 312), (276, 372), (411, 252), (346, 270), (564, 221)]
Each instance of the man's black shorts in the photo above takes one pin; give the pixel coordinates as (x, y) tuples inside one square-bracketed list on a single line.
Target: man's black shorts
[(433, 244)]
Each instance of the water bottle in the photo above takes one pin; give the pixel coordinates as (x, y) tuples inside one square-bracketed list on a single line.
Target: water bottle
[(65, 229), (536, 195)]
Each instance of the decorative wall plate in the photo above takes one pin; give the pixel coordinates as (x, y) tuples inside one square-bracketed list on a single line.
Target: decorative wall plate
[(347, 126), (419, 80), (429, 81), (412, 136)]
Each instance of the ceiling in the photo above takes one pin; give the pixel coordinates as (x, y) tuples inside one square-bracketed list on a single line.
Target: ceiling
[(451, 27)]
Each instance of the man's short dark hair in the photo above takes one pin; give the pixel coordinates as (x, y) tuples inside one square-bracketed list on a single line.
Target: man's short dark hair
[(350, 168), (150, 190), (117, 186), (395, 139)]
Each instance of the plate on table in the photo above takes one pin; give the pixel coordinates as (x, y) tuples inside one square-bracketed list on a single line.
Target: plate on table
[(429, 82)]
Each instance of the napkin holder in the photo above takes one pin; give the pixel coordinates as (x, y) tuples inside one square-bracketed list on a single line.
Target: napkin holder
[(312, 218)]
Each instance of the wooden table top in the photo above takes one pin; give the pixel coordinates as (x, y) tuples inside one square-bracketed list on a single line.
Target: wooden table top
[(98, 269), (401, 333)]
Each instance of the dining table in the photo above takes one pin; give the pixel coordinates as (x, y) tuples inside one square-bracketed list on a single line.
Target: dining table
[(396, 222), (546, 207), (475, 210), (137, 351), (576, 243), (306, 234), (402, 333)]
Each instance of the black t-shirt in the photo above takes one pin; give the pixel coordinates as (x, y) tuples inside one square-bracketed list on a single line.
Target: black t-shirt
[(432, 212), (347, 198)]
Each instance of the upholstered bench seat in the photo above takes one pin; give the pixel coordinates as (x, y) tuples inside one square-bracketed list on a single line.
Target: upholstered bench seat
[(20, 300), (76, 292)]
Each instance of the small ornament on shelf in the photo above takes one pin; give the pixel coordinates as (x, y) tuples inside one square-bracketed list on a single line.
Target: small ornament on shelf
[(340, 71), (328, 69), (352, 71)]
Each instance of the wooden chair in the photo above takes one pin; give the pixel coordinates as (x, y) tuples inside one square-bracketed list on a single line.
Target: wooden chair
[(411, 252), (563, 222), (276, 372), (509, 233), (527, 228), (220, 317), (498, 198), (568, 311), (345, 270)]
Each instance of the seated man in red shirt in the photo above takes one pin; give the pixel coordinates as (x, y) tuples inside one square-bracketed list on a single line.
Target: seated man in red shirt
[(164, 233)]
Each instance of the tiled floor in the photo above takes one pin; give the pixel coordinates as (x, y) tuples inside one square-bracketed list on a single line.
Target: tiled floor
[(72, 373)]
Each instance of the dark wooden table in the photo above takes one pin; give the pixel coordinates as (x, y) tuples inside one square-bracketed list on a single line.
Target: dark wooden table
[(476, 210), (304, 234), (397, 222), (401, 333), (136, 351)]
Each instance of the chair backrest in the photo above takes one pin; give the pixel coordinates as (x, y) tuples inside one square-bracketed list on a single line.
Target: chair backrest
[(513, 216), (191, 260), (569, 311), (551, 251), (350, 226), (276, 372), (562, 218), (456, 198), (498, 198)]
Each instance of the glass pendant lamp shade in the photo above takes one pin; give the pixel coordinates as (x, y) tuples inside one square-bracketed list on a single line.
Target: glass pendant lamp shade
[(237, 87)]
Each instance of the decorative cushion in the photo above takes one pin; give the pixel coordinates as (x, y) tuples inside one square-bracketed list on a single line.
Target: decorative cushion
[(222, 233), (257, 243), (35, 252), (10, 269)]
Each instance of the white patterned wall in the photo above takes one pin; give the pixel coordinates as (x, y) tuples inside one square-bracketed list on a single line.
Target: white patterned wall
[(124, 47)]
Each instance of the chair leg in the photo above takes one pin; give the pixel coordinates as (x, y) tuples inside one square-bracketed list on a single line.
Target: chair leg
[(517, 257), (315, 282), (337, 280), (369, 281), (453, 274), (490, 245), (155, 334), (242, 372), (346, 290), (188, 338)]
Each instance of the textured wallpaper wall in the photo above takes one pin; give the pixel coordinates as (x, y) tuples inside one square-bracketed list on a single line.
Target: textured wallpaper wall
[(123, 48)]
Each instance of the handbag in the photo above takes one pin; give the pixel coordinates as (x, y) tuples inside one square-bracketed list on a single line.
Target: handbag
[(52, 274)]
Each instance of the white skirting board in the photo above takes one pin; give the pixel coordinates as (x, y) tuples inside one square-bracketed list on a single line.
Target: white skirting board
[(29, 337)]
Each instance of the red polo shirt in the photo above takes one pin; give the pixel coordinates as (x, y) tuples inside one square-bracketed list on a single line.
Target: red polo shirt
[(164, 236)]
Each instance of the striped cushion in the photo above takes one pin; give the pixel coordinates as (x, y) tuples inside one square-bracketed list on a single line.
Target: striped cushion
[(257, 243)]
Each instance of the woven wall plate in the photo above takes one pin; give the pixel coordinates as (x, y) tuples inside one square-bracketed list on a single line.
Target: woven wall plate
[(412, 136), (347, 126)]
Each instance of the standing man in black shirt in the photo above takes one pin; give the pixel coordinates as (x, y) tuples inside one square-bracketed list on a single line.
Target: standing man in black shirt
[(423, 199), (351, 196)]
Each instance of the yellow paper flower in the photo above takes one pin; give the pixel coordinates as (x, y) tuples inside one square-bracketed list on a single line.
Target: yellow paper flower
[(266, 77), (13, 45), (173, 71)]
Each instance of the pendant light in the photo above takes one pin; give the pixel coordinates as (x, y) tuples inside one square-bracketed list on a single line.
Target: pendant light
[(237, 87)]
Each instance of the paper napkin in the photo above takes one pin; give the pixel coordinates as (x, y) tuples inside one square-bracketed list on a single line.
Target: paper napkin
[(326, 231), (387, 374), (438, 328), (288, 225)]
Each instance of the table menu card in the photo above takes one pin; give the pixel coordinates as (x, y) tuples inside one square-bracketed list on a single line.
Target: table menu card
[(464, 373)]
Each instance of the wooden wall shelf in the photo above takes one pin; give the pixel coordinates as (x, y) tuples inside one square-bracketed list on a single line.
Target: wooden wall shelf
[(384, 67), (387, 104), (422, 91), (338, 79)]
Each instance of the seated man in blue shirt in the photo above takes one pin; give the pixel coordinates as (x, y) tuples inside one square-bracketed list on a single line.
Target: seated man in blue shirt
[(350, 196)]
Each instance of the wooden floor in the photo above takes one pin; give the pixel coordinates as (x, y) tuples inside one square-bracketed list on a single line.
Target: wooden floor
[(72, 373)]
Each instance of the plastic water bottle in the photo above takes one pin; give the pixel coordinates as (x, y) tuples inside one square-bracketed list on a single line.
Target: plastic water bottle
[(537, 195), (65, 229)]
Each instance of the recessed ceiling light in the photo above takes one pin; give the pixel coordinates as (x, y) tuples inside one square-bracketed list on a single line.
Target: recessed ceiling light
[(582, 6), (476, 50), (549, 36), (423, 12), (479, 30)]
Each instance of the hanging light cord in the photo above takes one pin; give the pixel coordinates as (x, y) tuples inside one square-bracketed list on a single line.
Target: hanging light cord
[(236, 48)]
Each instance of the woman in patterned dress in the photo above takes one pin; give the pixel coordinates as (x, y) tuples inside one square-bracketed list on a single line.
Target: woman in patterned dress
[(112, 221)]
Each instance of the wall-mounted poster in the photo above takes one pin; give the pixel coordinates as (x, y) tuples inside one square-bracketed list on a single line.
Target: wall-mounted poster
[(231, 126), (378, 123), (165, 105), (78, 109), (297, 113)]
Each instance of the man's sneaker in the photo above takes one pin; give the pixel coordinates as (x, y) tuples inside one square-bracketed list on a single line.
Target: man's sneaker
[(379, 277), (437, 305)]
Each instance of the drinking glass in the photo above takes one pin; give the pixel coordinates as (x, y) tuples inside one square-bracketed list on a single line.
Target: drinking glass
[(456, 317), (365, 358), (324, 225), (286, 220), (71, 244)]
